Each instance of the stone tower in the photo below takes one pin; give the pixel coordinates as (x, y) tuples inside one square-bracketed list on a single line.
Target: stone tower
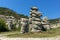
[(45, 23), (34, 20), (34, 23)]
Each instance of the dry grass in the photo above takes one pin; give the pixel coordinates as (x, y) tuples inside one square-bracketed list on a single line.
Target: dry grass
[(49, 33)]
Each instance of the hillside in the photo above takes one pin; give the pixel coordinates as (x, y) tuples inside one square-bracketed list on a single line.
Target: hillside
[(9, 12), (54, 21)]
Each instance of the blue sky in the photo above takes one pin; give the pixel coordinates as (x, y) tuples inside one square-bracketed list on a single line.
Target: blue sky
[(49, 8)]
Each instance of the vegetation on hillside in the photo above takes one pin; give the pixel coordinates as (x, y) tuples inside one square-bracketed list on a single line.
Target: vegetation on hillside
[(54, 21), (9, 12)]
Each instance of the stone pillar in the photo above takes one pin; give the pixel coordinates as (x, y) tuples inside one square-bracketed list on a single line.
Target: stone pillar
[(24, 25), (34, 20), (45, 23)]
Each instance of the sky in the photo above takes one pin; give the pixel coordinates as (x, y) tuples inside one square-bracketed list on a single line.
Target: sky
[(49, 8)]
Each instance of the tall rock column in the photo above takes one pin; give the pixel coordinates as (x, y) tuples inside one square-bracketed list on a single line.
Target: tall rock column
[(34, 20), (24, 25)]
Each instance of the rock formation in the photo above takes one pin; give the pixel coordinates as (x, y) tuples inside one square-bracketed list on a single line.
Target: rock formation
[(34, 20), (36, 24), (24, 25), (45, 23)]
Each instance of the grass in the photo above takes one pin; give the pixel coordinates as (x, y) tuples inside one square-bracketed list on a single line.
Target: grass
[(49, 33)]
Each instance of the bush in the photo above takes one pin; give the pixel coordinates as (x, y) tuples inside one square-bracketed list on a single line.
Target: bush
[(2, 26), (15, 28)]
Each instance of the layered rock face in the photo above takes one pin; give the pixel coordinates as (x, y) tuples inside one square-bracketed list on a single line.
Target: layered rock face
[(36, 24), (45, 23), (34, 20), (24, 25)]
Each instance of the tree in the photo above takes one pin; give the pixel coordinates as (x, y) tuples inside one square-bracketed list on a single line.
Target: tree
[(2, 26)]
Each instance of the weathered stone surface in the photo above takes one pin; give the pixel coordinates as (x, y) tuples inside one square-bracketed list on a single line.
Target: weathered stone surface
[(35, 14), (36, 22), (46, 26), (24, 24), (10, 21), (34, 30), (35, 19), (45, 19), (34, 8), (30, 27), (45, 23)]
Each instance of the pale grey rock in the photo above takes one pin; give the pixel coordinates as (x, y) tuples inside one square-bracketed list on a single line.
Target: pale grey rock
[(45, 23), (30, 27), (34, 8), (45, 19), (35, 19), (24, 24), (46, 26), (36, 22)]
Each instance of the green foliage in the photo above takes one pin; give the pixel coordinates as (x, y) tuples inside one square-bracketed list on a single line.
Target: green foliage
[(9, 12), (18, 29), (15, 28), (2, 26), (54, 21)]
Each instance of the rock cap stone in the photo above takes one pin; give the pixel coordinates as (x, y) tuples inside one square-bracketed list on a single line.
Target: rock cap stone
[(34, 8)]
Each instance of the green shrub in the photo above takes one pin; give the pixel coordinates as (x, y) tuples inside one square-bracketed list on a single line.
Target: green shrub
[(3, 26), (15, 28)]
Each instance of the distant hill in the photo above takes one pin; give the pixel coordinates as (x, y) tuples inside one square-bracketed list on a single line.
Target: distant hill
[(54, 21), (9, 12)]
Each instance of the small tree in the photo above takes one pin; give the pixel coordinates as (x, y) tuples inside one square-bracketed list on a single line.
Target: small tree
[(2, 26)]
